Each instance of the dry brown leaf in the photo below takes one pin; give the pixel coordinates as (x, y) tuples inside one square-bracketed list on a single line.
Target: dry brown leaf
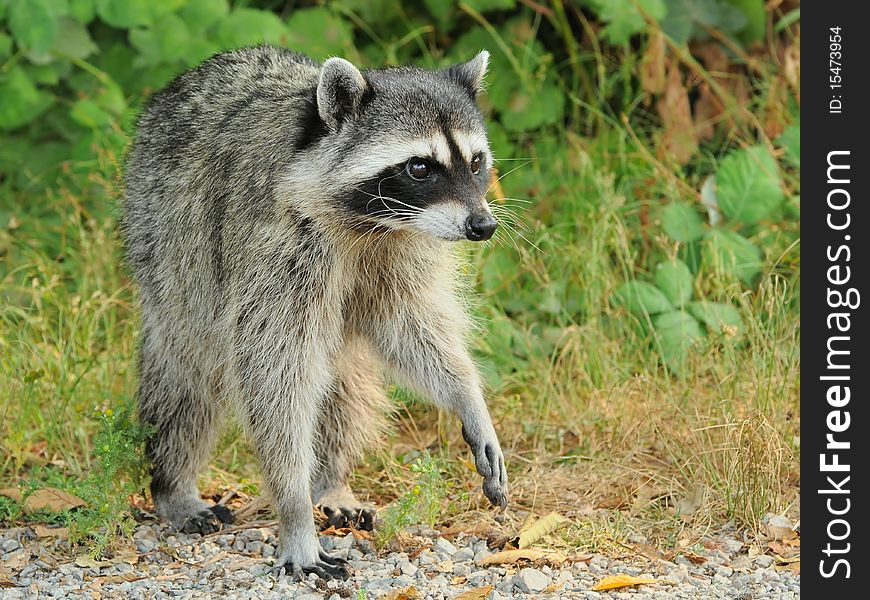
[(458, 579), (531, 554), (5, 582), (541, 528), (409, 593), (553, 587), (614, 582), (497, 194), (479, 593), (13, 493), (17, 560), (52, 500), (652, 66), (86, 561), (679, 139), (122, 578), (42, 531), (695, 559)]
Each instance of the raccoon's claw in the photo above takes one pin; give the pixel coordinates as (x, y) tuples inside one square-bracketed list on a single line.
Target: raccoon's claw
[(326, 568), (359, 518), (489, 460), (208, 521)]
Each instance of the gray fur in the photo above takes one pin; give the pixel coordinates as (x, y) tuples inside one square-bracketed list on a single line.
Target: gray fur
[(277, 274)]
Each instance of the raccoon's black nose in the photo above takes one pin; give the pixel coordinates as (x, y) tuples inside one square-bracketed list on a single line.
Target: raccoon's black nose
[(480, 227)]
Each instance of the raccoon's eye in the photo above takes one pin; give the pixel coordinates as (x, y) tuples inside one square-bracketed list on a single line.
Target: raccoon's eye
[(475, 164), (418, 168)]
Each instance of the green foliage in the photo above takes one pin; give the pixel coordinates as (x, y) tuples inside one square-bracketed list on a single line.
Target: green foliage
[(641, 298), (749, 185), (674, 279), (422, 503), (686, 19), (682, 223)]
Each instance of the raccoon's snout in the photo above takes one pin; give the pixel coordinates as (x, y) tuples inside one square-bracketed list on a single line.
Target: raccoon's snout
[(480, 227)]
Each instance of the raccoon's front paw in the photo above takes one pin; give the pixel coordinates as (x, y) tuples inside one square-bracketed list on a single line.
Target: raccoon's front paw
[(489, 460), (325, 566), (209, 520)]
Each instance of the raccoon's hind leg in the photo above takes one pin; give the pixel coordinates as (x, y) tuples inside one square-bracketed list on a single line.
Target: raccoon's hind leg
[(184, 421), (349, 421)]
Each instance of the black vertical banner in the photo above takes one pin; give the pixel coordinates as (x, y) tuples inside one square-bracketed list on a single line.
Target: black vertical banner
[(835, 420)]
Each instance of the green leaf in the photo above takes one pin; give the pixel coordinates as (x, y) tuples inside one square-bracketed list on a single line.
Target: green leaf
[(756, 20), (684, 18), (527, 111), (5, 45), (247, 26), (790, 141), (82, 11), (733, 253), (165, 42), (33, 23), (677, 333), (73, 40), (202, 14), (89, 114), (125, 14), (674, 279), (682, 223), (488, 5), (641, 298), (624, 18), (721, 319), (748, 186), (320, 32), (20, 101)]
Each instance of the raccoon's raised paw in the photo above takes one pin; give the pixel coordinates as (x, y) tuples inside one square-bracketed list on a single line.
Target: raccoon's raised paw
[(209, 520), (326, 567), (356, 517)]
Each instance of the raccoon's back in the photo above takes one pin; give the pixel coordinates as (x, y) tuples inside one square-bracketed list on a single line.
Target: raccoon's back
[(202, 170)]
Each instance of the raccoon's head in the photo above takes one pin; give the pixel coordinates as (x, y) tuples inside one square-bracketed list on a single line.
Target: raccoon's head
[(410, 146)]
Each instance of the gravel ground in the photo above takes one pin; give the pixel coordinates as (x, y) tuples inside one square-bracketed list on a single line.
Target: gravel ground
[(237, 564)]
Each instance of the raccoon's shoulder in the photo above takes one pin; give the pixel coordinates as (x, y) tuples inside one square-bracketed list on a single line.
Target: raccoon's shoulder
[(236, 77)]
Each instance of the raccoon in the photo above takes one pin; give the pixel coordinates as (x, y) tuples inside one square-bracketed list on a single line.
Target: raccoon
[(289, 225)]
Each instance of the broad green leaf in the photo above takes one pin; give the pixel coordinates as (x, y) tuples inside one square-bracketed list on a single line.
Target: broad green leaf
[(33, 23), (756, 20), (733, 253), (682, 223), (247, 26), (530, 110), (82, 11), (748, 186), (88, 113), (5, 45), (202, 14), (677, 333), (487, 5), (721, 319), (73, 39), (790, 141), (320, 32), (165, 42), (641, 298), (624, 18), (685, 16), (674, 279), (125, 14), (20, 101)]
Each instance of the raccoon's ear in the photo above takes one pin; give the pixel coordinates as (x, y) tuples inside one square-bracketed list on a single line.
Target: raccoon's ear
[(340, 90), (470, 74)]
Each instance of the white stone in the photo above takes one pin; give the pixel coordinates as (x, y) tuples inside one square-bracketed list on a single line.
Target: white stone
[(531, 580)]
